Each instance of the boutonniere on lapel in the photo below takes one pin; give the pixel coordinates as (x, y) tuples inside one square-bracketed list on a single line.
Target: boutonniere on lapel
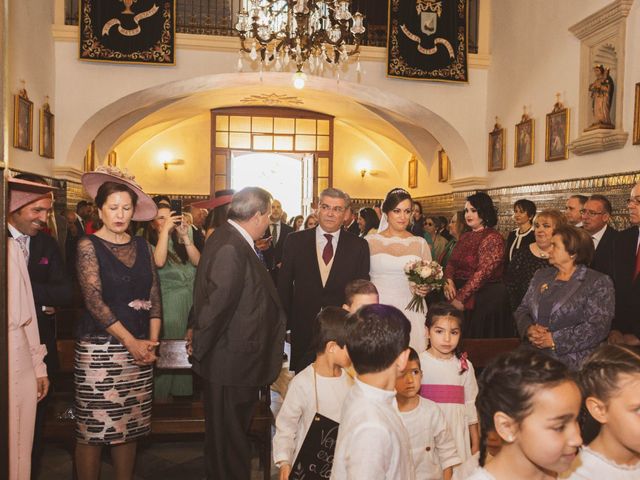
[(544, 287), (43, 261)]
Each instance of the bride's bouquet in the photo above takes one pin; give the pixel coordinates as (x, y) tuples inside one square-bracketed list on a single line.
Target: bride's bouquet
[(422, 273)]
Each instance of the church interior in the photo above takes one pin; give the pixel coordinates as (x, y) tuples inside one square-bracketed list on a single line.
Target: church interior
[(214, 118)]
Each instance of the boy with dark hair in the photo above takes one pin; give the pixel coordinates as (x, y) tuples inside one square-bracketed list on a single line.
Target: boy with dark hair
[(358, 293), (372, 441), (319, 388), (433, 449)]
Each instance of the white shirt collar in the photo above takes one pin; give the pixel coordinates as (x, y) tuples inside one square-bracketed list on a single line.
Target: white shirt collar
[(279, 222), (377, 394), (15, 233), (598, 236), (244, 234), (320, 235)]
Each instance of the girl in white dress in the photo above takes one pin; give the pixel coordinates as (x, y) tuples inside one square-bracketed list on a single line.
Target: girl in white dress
[(391, 249), (449, 378), (610, 382), (532, 403)]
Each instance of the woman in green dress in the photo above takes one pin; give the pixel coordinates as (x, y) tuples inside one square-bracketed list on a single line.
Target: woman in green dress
[(176, 258)]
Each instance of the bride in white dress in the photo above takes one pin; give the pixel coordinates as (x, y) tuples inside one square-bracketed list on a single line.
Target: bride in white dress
[(391, 249)]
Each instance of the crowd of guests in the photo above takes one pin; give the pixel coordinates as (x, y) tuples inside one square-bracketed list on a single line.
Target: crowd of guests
[(231, 275)]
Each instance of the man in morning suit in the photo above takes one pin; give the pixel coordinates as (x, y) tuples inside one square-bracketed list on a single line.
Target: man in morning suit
[(50, 283), (626, 278), (317, 265), (595, 217), (238, 335), (276, 234)]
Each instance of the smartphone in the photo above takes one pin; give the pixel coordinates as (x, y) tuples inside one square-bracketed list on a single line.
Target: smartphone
[(176, 206)]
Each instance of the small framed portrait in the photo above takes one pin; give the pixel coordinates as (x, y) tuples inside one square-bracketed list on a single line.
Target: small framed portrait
[(636, 117), (23, 121), (497, 148), (413, 172), (557, 134), (47, 132), (112, 159), (525, 132), (443, 166)]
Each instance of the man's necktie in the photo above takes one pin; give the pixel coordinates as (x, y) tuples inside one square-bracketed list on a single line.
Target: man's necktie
[(259, 253), (637, 270), (22, 241), (274, 234), (327, 253)]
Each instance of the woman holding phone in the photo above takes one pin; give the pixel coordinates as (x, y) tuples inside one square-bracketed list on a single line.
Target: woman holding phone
[(176, 258)]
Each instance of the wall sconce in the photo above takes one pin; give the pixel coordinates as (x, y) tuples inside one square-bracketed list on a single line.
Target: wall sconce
[(177, 161), (364, 168)]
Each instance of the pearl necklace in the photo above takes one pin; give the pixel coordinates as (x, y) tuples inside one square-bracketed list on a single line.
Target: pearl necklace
[(542, 253)]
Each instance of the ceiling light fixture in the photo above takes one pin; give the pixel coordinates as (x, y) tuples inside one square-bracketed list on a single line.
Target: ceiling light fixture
[(307, 33)]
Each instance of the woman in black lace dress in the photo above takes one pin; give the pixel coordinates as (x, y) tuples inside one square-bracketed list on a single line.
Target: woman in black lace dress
[(527, 260), (118, 331)]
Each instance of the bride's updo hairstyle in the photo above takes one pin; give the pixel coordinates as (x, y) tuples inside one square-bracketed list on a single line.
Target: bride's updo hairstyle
[(394, 197)]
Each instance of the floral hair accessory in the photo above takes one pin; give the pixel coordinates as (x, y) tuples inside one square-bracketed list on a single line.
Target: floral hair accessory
[(464, 364)]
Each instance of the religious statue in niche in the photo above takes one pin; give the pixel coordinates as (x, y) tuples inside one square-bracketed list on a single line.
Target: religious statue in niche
[(601, 91)]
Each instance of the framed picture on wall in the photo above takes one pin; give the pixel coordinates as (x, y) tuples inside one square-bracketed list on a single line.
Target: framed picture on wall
[(443, 166), (112, 159), (47, 132), (413, 172), (497, 148), (525, 131), (557, 134), (636, 117), (23, 121)]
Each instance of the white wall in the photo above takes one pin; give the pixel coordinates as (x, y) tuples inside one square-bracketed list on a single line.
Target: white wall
[(534, 56), (31, 59)]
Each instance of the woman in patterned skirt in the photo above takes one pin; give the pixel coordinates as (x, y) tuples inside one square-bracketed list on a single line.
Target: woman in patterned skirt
[(118, 331)]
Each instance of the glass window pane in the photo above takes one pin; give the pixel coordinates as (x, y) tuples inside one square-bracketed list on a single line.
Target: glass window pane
[(222, 139), (220, 182), (262, 124), (263, 142), (222, 122), (322, 184), (323, 144), (240, 124), (305, 125), (306, 143), (221, 165), (323, 127), (240, 140), (282, 142), (284, 125), (323, 166)]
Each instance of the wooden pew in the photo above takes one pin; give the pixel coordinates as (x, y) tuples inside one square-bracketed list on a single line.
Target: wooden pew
[(482, 350), (179, 418)]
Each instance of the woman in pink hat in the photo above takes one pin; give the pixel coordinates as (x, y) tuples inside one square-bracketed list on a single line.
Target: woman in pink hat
[(119, 329)]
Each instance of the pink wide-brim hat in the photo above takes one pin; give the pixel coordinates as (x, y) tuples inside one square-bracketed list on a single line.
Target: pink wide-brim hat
[(24, 192), (221, 197), (146, 208)]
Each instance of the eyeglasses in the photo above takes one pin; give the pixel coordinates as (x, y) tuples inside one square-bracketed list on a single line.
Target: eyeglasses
[(326, 208), (634, 201), (590, 213)]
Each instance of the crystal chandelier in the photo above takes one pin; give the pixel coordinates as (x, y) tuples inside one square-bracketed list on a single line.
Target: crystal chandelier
[(312, 32)]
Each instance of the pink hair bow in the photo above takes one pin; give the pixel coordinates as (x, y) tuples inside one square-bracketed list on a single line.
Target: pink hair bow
[(464, 365)]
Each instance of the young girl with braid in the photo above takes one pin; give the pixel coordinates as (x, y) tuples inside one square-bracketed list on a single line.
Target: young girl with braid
[(610, 383), (532, 402)]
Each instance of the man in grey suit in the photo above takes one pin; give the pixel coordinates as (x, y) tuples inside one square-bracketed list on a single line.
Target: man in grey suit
[(238, 336)]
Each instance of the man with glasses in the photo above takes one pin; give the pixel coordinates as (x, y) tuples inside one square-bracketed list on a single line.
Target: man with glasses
[(626, 324), (595, 218), (317, 265)]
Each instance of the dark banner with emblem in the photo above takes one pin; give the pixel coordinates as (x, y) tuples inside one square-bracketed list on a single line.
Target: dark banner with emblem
[(128, 31), (428, 40)]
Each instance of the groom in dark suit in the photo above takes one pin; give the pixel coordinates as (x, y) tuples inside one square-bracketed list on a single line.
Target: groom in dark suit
[(317, 265), (238, 335)]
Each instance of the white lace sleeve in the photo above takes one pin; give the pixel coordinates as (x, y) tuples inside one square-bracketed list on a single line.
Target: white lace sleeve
[(426, 251)]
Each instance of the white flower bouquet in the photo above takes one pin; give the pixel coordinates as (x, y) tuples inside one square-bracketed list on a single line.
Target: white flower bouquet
[(422, 273)]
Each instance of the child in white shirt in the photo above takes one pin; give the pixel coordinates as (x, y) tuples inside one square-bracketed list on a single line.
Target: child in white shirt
[(372, 441), (433, 450), (610, 383), (324, 376), (358, 293)]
